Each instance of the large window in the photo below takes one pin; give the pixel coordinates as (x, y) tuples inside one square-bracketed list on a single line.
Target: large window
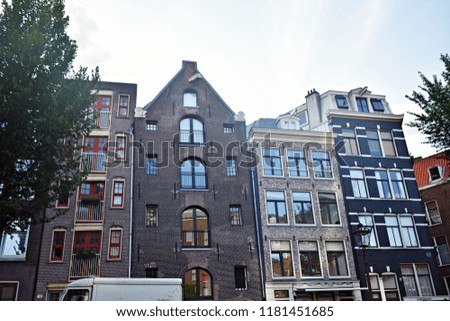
[(322, 164), (297, 163), (309, 259), (417, 279), (401, 231), (191, 131), (303, 211), (280, 252), (87, 242), (434, 217), (58, 242), (442, 249), (337, 260), (349, 139), (195, 228), (276, 207), (272, 162), (358, 183), (198, 285), (328, 209), (14, 245), (193, 174), (94, 153)]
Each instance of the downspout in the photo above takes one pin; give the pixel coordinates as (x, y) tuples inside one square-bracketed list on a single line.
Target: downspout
[(258, 236), (130, 249)]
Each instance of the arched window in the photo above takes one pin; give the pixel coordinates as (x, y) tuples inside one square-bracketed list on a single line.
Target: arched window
[(193, 174), (197, 285), (191, 131), (195, 228)]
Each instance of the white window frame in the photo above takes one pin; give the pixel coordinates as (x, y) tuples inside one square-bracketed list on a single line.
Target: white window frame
[(337, 208), (346, 259), (128, 106), (320, 260), (430, 222), (3, 244), (312, 209), (292, 260), (358, 181), (329, 160), (285, 207), (270, 157)]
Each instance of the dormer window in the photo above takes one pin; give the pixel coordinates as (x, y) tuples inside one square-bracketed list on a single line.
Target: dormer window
[(435, 173), (341, 102), (190, 99), (377, 105), (303, 117)]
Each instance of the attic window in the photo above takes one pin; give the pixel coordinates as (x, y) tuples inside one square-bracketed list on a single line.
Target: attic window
[(190, 99), (435, 173), (303, 118), (377, 105), (341, 102)]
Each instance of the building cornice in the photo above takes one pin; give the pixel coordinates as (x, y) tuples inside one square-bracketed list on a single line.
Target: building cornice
[(366, 116)]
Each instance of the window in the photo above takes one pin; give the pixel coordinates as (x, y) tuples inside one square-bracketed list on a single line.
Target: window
[(195, 228), (228, 128), (240, 277), (87, 242), (280, 252), (341, 101), (337, 260), (120, 147), (401, 231), (434, 217), (303, 211), (281, 295), (191, 131), (328, 209), (152, 125), (58, 242), (198, 285), (358, 183), (398, 188), (309, 259), (442, 249), (190, 99), (322, 164), (272, 162), (350, 146), (384, 190), (297, 163), (417, 279), (118, 194), (388, 143), (374, 143), (151, 165), (367, 221), (377, 105), (292, 124), (123, 105), (8, 291), (362, 105), (435, 173), (106, 100), (193, 174), (151, 272), (235, 215), (303, 117), (94, 153), (276, 208), (231, 166), (14, 245), (115, 241), (151, 215), (101, 108)]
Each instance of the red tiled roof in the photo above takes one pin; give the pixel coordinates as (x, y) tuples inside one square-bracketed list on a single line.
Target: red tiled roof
[(421, 168)]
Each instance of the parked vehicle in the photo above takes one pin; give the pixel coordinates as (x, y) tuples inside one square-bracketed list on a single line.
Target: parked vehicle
[(123, 289)]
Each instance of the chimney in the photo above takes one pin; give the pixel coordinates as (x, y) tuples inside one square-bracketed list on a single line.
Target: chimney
[(189, 64), (314, 107)]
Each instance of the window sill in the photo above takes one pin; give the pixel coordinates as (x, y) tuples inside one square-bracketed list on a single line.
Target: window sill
[(194, 189), (194, 249)]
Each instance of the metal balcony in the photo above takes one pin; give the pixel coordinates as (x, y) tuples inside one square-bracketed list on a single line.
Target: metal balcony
[(84, 266), (94, 162), (89, 212)]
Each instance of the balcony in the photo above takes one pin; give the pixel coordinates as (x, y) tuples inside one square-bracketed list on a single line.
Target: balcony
[(94, 162), (103, 119), (89, 211), (84, 266)]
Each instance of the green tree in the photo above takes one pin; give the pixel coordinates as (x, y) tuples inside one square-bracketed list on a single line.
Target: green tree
[(434, 100), (43, 110)]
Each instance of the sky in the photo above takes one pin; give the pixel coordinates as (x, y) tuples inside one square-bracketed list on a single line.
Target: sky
[(262, 56)]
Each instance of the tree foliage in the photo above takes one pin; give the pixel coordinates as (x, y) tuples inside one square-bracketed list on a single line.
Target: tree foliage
[(43, 110), (434, 100)]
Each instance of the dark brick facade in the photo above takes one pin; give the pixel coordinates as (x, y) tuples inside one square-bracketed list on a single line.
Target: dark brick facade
[(163, 248)]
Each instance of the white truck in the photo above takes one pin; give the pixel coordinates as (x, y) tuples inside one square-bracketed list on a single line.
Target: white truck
[(123, 289)]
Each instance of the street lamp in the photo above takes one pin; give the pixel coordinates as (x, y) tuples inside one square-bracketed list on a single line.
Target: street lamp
[(362, 239)]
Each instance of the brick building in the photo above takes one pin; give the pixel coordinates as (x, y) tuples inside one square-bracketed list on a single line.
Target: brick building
[(193, 214), (433, 179), (92, 237)]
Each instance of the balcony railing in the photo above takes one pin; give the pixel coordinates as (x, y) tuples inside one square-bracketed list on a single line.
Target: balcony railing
[(196, 238), (103, 119), (89, 212), (94, 162), (84, 266)]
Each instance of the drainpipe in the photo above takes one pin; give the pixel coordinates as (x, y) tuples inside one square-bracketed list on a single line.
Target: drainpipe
[(131, 201)]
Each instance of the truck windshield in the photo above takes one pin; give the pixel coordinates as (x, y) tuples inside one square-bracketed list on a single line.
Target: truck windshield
[(77, 295)]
